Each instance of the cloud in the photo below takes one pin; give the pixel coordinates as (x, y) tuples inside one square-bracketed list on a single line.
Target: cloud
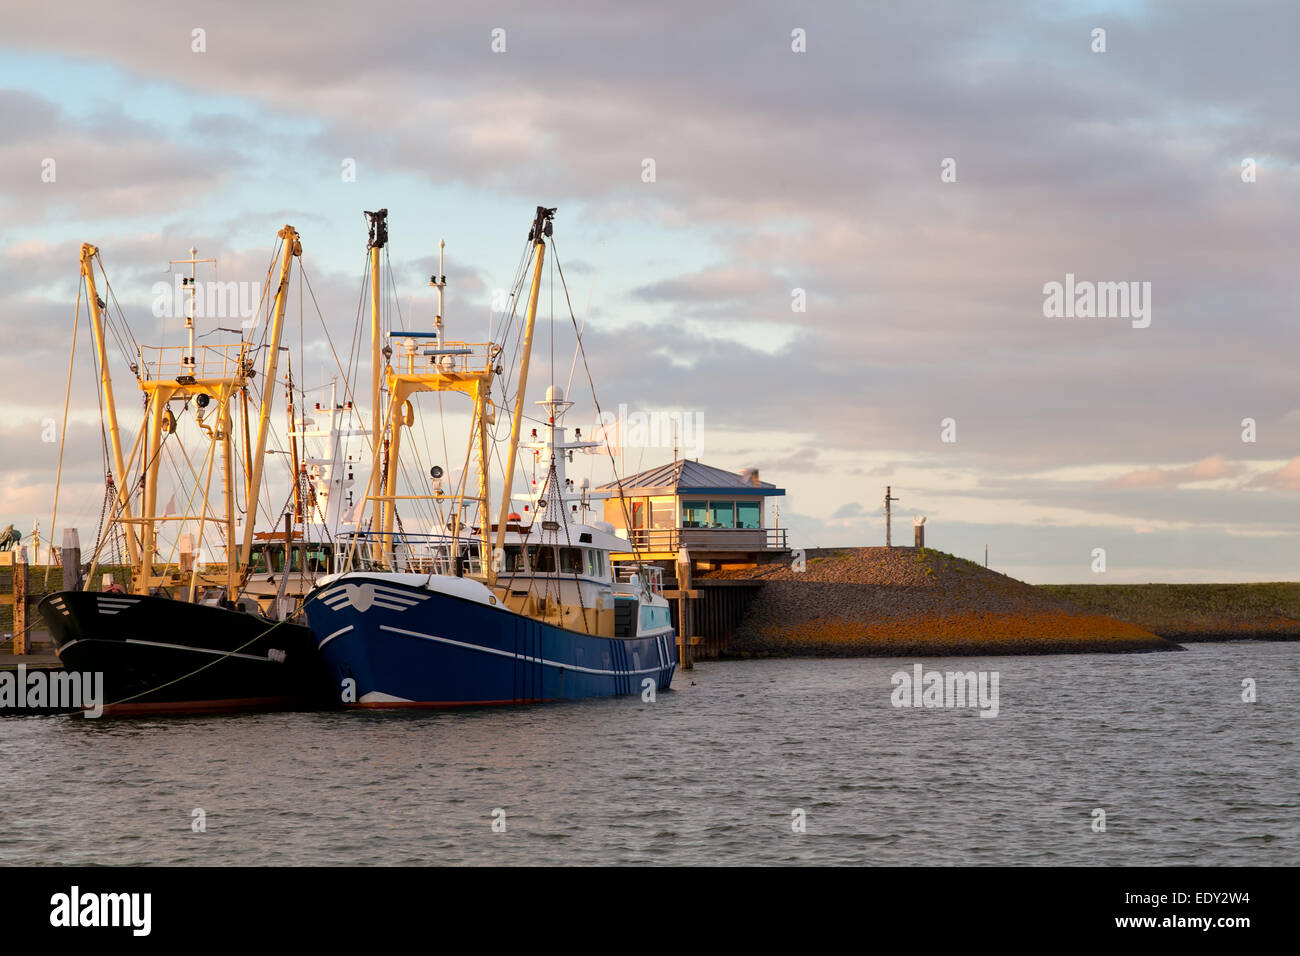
[(111, 165), (774, 171), (1286, 478), (1213, 468)]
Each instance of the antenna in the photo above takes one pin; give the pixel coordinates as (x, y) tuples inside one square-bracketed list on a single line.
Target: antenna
[(439, 282), (189, 282)]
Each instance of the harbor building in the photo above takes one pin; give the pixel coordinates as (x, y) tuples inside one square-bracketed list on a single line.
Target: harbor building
[(722, 518), (686, 517)]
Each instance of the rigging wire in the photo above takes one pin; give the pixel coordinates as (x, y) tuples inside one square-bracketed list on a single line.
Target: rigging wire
[(63, 435)]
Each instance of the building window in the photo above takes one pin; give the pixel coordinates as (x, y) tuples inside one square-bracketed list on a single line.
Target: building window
[(638, 513), (662, 514), (722, 514), (695, 514), (749, 514)]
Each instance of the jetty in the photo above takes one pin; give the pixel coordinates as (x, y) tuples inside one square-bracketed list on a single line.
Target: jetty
[(896, 601)]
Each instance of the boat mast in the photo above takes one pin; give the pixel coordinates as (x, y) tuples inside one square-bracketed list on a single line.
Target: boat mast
[(191, 281), (378, 222), (292, 248), (88, 253), (440, 282), (541, 229)]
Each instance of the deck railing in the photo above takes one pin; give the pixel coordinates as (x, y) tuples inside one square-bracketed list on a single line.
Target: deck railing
[(408, 553), (649, 575), (709, 539), (421, 354), (164, 362)]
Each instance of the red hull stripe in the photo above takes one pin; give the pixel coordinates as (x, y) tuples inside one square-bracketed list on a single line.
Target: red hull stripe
[(201, 706)]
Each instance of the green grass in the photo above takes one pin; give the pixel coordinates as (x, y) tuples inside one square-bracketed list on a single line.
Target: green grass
[(1190, 608)]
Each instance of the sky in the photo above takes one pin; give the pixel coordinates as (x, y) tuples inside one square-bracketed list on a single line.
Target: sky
[(837, 271)]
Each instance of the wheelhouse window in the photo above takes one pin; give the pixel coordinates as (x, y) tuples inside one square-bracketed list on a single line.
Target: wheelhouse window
[(513, 562), (318, 558), (541, 558), (571, 560)]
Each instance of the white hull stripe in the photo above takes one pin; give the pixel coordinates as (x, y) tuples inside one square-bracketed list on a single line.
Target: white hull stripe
[(197, 650), (521, 657), (381, 591), (336, 601), (341, 630)]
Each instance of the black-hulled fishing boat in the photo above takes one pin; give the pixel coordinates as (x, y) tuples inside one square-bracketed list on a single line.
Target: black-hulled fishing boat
[(189, 635)]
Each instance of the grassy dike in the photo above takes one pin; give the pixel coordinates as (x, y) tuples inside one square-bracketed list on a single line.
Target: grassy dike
[(1194, 612), (853, 602)]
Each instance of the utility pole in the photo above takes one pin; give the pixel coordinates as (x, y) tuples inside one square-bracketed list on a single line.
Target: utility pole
[(888, 498), (986, 555)]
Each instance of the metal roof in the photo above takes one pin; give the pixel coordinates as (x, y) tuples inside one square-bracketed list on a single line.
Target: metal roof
[(691, 477)]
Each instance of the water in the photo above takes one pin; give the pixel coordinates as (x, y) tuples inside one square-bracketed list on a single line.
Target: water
[(709, 773)]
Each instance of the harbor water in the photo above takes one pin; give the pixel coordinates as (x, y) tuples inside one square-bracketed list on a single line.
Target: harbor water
[(720, 770)]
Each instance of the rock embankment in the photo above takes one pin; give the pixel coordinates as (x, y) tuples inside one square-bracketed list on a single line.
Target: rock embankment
[(909, 601)]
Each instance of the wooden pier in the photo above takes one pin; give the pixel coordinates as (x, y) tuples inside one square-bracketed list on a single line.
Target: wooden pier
[(716, 610)]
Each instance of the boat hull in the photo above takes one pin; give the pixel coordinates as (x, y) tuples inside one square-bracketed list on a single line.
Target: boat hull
[(407, 646), (160, 655)]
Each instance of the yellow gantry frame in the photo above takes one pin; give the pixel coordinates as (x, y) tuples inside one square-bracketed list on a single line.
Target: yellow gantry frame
[(221, 389), (476, 383)]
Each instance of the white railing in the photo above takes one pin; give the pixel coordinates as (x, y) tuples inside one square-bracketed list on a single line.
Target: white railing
[(409, 554), (709, 539), (629, 579)]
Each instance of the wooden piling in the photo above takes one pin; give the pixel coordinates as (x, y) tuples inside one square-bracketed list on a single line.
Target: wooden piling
[(684, 654), (17, 560)]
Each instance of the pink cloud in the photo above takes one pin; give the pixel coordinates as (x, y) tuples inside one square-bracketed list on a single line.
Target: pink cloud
[(1286, 478), (1207, 469)]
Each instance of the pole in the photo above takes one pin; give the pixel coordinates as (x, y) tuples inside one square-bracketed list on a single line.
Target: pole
[(378, 239), (541, 229), (20, 600), (888, 499), (292, 247), (152, 457), (224, 425), (88, 253)]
